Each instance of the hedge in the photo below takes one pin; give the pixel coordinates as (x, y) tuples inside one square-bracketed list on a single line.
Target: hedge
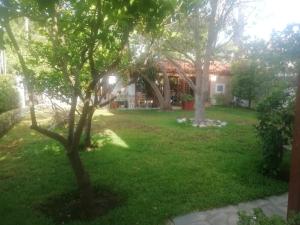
[(9, 96), (8, 119)]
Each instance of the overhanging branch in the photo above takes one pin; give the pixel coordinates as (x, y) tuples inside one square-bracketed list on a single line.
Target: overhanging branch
[(182, 74), (51, 134)]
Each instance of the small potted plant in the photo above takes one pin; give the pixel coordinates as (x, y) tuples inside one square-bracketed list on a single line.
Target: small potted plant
[(187, 102)]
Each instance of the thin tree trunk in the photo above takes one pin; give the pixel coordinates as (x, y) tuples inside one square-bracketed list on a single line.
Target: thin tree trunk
[(88, 127), (82, 179), (32, 108), (70, 145), (167, 92), (202, 76), (199, 100), (294, 185), (249, 103), (157, 92), (25, 70)]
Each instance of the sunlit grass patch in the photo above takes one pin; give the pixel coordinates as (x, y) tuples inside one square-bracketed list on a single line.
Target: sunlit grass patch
[(102, 112), (109, 137)]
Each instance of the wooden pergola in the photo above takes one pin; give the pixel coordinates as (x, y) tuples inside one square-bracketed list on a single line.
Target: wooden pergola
[(181, 86), (294, 185)]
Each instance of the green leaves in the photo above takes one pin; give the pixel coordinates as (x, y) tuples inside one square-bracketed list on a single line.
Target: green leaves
[(276, 116), (258, 217), (9, 97), (2, 39), (245, 82), (69, 37)]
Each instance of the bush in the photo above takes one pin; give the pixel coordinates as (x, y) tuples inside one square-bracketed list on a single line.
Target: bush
[(9, 97), (245, 83), (187, 98), (8, 119), (221, 99), (259, 218), (276, 116)]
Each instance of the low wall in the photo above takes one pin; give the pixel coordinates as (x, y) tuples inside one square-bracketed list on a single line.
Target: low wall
[(9, 119)]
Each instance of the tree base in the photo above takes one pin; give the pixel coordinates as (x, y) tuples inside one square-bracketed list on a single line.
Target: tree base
[(67, 207), (204, 123)]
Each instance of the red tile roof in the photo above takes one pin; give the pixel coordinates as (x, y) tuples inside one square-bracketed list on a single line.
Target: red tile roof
[(217, 68)]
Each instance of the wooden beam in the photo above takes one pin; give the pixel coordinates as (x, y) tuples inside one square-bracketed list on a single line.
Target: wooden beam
[(294, 185)]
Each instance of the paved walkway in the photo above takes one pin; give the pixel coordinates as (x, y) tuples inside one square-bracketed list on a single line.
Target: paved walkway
[(228, 215)]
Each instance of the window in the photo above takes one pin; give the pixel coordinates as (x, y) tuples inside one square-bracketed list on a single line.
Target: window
[(220, 88)]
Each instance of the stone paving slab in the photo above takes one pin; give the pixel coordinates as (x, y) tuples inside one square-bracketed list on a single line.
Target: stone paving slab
[(275, 205)]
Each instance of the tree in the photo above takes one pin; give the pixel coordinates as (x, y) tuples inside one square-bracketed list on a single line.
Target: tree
[(146, 51), (80, 43), (245, 83), (287, 45), (151, 74), (193, 38), (282, 55), (275, 126), (149, 69)]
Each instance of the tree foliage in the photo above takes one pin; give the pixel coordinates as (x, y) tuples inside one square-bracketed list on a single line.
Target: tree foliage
[(246, 80), (9, 96), (276, 116), (276, 112), (77, 43), (258, 217)]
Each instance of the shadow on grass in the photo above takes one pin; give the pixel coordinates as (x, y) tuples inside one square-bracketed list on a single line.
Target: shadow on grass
[(66, 207)]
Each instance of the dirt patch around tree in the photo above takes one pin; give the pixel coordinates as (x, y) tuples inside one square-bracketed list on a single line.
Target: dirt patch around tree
[(66, 207)]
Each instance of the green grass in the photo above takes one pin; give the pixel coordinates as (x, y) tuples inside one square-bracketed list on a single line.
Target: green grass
[(162, 168)]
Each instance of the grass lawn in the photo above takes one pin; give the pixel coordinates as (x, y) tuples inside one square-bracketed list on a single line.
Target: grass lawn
[(161, 168)]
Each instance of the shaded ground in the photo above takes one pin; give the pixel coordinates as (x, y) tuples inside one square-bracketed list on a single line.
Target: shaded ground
[(162, 168), (66, 207)]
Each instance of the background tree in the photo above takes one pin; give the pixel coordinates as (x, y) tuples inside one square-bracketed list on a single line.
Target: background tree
[(146, 53), (193, 37), (245, 83), (155, 75), (276, 109)]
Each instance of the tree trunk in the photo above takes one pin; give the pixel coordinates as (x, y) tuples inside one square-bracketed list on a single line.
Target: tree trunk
[(88, 127), (82, 179), (249, 103), (31, 107), (199, 100), (167, 93), (71, 145), (202, 79), (157, 92), (294, 185)]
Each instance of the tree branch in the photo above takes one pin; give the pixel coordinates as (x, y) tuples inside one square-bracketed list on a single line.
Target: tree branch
[(181, 52), (51, 134), (182, 74)]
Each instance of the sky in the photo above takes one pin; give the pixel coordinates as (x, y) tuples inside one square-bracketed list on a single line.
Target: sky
[(271, 15)]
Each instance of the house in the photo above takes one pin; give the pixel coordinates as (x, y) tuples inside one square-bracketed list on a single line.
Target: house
[(219, 90), (219, 80)]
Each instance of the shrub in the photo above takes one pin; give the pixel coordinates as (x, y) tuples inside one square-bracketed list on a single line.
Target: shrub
[(276, 116), (187, 98), (9, 97), (245, 83), (8, 119), (220, 99), (259, 218)]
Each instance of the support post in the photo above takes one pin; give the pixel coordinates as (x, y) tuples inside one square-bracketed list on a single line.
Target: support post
[(294, 185)]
